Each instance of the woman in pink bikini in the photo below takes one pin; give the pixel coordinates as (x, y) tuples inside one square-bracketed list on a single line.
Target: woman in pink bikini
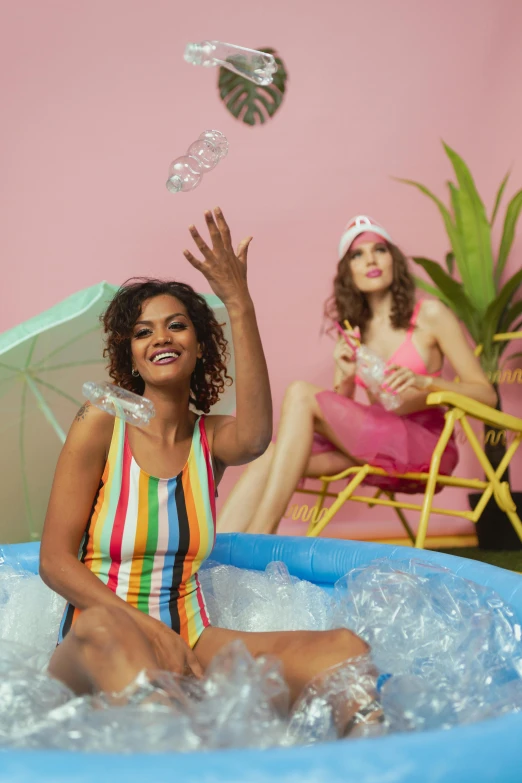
[(322, 432)]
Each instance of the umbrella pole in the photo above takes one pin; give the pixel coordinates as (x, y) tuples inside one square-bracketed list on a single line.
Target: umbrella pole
[(25, 486), (47, 412)]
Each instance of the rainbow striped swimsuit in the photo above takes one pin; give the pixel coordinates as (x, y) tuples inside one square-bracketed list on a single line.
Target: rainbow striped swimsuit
[(147, 536)]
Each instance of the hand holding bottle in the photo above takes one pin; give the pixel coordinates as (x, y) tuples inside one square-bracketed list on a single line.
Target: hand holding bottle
[(369, 367), (344, 356)]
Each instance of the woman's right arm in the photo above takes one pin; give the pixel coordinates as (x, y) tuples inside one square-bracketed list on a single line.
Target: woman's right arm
[(77, 479)]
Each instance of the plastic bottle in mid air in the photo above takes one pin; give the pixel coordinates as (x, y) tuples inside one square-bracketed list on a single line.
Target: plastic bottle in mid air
[(132, 408), (203, 155), (258, 67)]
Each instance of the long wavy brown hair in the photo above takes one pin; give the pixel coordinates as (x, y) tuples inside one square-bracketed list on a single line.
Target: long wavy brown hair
[(347, 302), (208, 380)]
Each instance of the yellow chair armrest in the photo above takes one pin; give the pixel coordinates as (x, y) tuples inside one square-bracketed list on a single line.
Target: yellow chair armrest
[(476, 409)]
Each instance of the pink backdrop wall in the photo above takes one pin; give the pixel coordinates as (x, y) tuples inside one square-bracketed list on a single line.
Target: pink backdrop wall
[(97, 100)]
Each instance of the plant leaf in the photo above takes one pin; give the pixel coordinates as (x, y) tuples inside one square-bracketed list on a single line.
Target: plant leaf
[(454, 294), (450, 262), (446, 216), (493, 315), (430, 289), (508, 233), (252, 103), (507, 343), (509, 316), (449, 287), (462, 262), (475, 232), (516, 355), (499, 198)]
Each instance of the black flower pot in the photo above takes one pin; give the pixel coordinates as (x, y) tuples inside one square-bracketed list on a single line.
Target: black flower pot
[(494, 530)]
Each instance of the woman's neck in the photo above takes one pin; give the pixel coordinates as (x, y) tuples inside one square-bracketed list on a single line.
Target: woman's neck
[(173, 416), (380, 305)]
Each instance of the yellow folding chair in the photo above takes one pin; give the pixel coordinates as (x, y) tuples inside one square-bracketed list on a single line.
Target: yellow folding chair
[(460, 409)]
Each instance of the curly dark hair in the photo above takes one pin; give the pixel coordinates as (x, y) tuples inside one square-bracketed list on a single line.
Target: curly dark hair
[(210, 374), (347, 302)]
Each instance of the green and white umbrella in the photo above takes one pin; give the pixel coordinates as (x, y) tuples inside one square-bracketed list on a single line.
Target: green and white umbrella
[(43, 364)]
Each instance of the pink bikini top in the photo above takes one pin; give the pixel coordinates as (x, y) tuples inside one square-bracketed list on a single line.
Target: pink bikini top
[(407, 354)]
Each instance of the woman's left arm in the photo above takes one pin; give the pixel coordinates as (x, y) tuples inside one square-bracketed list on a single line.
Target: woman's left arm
[(240, 439), (452, 342)]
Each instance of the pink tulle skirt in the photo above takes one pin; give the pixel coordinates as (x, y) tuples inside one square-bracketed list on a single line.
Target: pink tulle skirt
[(398, 444)]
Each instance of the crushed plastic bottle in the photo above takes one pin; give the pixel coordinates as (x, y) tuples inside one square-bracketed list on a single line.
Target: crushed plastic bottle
[(453, 647), (444, 652), (25, 595), (244, 700), (245, 600), (341, 702), (132, 408), (203, 155), (371, 369), (26, 694), (258, 67)]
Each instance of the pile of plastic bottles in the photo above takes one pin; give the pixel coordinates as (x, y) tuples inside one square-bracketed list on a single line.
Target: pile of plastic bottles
[(444, 651)]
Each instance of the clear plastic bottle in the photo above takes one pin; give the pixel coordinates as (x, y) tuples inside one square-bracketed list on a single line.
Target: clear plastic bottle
[(218, 139), (203, 155), (132, 408), (371, 369), (257, 67)]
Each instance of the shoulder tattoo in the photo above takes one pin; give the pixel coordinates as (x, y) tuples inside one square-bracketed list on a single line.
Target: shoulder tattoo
[(80, 416)]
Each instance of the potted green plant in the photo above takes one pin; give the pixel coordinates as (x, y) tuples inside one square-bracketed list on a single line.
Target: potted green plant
[(483, 303)]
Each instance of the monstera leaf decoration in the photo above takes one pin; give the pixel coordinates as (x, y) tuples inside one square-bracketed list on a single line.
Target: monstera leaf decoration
[(249, 102)]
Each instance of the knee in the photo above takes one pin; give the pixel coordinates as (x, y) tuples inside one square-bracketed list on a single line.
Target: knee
[(99, 625), (265, 460), (348, 643), (300, 392)]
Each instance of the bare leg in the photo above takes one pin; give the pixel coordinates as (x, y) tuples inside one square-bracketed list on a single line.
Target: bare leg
[(300, 417), (104, 651), (303, 654), (246, 495), (242, 502)]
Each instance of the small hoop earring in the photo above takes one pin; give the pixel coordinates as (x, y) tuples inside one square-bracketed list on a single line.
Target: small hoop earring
[(135, 373)]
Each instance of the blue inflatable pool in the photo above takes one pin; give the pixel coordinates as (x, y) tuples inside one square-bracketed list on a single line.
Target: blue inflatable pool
[(488, 751)]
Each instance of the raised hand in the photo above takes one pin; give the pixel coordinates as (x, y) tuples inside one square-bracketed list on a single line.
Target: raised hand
[(225, 270)]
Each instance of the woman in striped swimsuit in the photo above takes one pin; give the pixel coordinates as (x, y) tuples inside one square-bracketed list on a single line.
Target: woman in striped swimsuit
[(132, 516)]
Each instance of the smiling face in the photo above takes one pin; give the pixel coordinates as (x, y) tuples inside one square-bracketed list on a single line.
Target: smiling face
[(371, 266), (164, 344)]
